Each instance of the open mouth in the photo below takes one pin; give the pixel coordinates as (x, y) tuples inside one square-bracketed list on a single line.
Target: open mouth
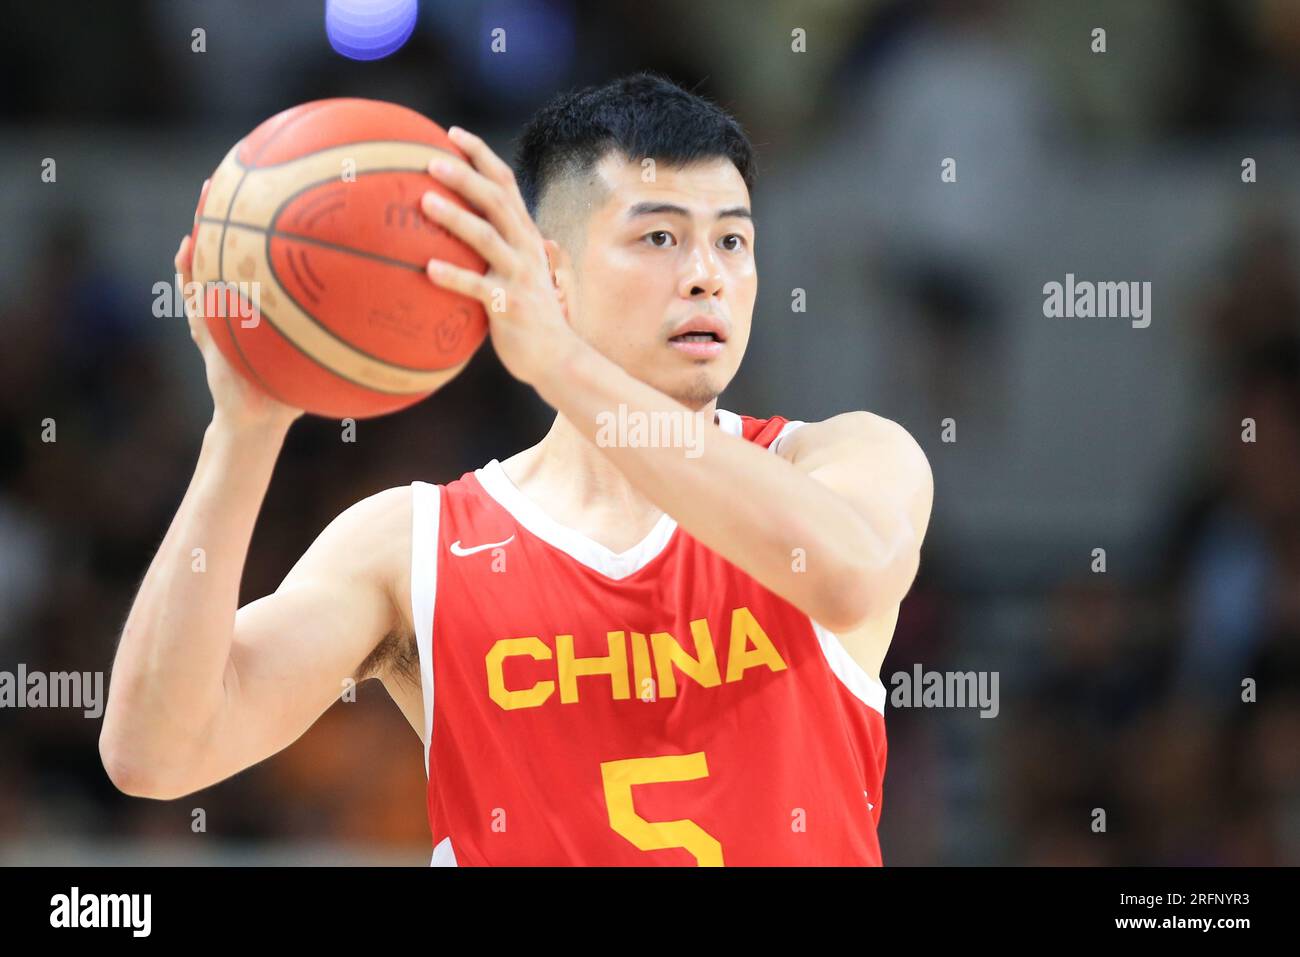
[(699, 345), (700, 337)]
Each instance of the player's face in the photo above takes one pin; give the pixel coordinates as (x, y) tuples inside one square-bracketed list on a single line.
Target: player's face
[(665, 281)]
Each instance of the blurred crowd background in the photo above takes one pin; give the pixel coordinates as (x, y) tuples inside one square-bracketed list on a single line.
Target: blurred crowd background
[(1119, 690)]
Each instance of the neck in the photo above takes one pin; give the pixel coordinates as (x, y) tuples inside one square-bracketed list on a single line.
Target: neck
[(570, 476)]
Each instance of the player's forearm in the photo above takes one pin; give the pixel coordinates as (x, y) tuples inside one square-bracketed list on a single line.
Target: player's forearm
[(745, 503), (168, 675)]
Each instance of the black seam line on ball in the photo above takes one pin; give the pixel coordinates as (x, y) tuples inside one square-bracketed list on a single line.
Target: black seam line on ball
[(325, 243)]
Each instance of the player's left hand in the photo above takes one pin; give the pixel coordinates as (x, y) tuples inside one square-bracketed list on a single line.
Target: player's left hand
[(526, 316)]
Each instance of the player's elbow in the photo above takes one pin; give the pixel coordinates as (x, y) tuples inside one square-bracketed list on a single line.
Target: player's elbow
[(134, 781), (126, 776), (843, 607), (136, 778), (862, 590)]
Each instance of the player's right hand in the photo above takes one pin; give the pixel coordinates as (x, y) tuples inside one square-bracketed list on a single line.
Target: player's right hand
[(235, 399)]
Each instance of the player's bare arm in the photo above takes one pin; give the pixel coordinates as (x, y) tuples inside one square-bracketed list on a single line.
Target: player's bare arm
[(862, 485), (202, 689)]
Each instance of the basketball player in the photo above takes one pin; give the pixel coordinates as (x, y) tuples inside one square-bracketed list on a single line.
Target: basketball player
[(615, 652)]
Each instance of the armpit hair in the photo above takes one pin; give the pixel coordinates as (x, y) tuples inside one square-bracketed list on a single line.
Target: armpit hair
[(395, 654)]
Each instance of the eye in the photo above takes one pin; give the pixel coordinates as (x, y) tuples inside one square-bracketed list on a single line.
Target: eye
[(740, 242), (657, 233)]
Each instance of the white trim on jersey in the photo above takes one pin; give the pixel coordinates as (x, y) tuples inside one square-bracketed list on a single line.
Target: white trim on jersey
[(426, 506), (611, 564), (443, 855), (867, 689), (426, 513), (729, 422), (784, 433)]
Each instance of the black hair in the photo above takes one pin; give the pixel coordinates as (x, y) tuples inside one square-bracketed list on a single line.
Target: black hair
[(641, 115)]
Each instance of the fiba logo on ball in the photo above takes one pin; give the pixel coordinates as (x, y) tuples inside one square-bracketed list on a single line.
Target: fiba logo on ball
[(353, 328), (452, 328)]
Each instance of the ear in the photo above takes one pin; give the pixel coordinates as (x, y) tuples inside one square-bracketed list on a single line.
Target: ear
[(561, 267)]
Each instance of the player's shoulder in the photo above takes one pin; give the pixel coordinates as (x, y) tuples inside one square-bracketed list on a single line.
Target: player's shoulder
[(380, 511), (372, 535), (373, 540), (857, 425), (387, 517), (370, 541), (384, 511)]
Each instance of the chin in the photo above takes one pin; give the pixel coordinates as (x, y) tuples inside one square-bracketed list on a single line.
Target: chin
[(696, 391)]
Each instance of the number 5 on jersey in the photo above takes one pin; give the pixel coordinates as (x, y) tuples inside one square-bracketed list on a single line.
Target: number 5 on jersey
[(619, 777)]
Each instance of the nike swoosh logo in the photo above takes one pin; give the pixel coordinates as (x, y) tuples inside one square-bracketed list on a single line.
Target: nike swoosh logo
[(457, 550)]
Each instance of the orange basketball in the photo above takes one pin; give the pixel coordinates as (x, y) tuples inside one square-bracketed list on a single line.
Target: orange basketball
[(311, 246)]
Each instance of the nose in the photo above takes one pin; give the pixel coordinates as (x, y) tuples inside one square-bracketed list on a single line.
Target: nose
[(703, 275)]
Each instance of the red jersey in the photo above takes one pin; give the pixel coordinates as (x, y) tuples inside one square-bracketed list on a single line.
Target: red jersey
[(656, 706)]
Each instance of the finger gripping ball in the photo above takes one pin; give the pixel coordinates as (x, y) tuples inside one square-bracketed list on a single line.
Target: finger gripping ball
[(311, 247)]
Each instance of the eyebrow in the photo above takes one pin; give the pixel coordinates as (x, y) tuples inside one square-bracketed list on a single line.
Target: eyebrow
[(672, 209)]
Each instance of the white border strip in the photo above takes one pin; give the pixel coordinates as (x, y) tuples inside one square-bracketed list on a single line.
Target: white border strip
[(615, 565), (425, 506), (867, 689), (729, 422), (426, 513), (786, 429), (443, 855)]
